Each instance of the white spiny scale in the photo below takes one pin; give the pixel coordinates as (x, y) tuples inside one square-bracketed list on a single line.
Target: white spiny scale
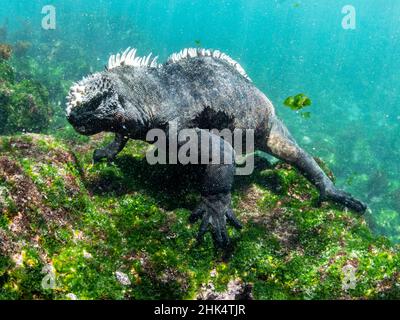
[(148, 59), (127, 58), (154, 63), (123, 58), (191, 53), (133, 53), (131, 56), (114, 61), (240, 69)]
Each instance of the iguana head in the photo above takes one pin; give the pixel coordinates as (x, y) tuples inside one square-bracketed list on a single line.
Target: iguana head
[(93, 104)]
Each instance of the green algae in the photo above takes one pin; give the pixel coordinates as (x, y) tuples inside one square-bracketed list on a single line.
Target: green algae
[(297, 102), (112, 217), (25, 104)]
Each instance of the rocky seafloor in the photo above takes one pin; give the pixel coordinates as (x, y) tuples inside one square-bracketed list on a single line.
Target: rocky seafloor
[(73, 230)]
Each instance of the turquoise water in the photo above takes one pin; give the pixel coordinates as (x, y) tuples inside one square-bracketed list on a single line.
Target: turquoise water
[(286, 47)]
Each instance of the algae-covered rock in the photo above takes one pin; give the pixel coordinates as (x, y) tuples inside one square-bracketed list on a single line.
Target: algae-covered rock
[(24, 105), (5, 51), (119, 231), (6, 73)]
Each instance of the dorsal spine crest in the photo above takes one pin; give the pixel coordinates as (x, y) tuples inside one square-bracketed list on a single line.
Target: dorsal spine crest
[(128, 58)]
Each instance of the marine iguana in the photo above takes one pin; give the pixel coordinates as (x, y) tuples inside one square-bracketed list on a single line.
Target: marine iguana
[(196, 88)]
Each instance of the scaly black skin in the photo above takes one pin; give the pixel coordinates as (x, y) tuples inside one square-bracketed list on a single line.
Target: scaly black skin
[(201, 93)]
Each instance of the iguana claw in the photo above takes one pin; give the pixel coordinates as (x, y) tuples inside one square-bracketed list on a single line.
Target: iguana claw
[(215, 211), (100, 154), (343, 198)]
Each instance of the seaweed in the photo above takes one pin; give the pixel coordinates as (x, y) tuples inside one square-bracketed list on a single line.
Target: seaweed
[(25, 104), (131, 243), (98, 224), (297, 102)]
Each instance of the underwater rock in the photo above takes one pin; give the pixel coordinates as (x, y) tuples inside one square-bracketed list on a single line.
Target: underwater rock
[(6, 74), (25, 104), (122, 278), (50, 213), (236, 290), (71, 296), (5, 51), (21, 48)]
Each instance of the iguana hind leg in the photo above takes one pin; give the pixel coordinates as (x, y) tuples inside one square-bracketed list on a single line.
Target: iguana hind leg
[(282, 145)]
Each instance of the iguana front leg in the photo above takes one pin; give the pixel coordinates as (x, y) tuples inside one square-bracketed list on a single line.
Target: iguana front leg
[(111, 151), (215, 209)]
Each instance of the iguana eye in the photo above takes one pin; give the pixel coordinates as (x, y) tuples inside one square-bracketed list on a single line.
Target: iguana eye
[(95, 101)]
